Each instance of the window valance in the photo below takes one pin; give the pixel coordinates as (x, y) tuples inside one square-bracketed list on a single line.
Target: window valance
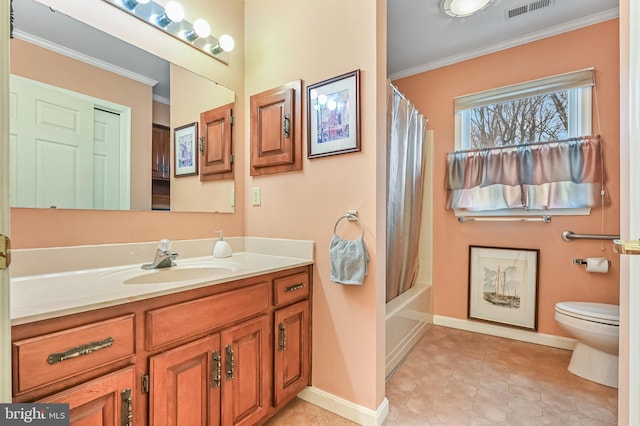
[(570, 80), (556, 174)]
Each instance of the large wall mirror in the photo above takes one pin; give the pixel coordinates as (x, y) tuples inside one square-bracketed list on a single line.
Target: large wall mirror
[(92, 121)]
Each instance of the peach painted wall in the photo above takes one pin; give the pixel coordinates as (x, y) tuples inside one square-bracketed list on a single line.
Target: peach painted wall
[(188, 193), (62, 71), (287, 40), (51, 228), (433, 93), (161, 113)]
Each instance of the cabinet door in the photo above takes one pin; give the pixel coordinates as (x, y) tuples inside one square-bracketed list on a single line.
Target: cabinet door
[(160, 152), (100, 402), (276, 130), (185, 386), (246, 382), (291, 343), (216, 144)]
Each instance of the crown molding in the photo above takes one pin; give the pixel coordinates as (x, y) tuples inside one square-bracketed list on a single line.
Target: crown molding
[(527, 38), (46, 44)]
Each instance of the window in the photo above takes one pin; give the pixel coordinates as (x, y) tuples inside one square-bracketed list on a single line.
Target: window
[(553, 108), (513, 145)]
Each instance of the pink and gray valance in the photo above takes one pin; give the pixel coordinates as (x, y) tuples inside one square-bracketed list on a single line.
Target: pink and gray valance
[(548, 175)]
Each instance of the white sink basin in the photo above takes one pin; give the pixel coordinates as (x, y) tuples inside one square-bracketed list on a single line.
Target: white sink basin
[(174, 274)]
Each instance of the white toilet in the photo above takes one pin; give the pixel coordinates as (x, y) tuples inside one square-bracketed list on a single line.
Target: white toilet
[(595, 327)]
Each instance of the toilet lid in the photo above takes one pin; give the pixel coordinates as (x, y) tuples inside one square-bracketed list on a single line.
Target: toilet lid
[(595, 312)]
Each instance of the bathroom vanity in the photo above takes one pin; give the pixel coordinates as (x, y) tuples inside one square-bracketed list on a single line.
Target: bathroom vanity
[(220, 351)]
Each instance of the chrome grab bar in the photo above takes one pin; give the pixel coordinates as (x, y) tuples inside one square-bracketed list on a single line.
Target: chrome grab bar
[(570, 236), (545, 219)]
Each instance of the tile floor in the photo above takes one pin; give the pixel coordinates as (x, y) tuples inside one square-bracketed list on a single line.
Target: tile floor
[(455, 377)]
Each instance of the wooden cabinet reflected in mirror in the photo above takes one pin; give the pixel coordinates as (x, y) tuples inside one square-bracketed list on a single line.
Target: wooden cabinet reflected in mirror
[(160, 168)]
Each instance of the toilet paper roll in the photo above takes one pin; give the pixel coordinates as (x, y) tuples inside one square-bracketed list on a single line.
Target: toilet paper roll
[(597, 264)]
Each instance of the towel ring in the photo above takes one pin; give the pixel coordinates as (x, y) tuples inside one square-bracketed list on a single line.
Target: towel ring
[(349, 216)]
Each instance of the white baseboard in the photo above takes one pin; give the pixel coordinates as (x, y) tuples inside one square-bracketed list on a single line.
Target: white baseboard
[(344, 408), (507, 332)]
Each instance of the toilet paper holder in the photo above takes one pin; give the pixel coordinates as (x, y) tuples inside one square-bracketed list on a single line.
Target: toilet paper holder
[(578, 261)]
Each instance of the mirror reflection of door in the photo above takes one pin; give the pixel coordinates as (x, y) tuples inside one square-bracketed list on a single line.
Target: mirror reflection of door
[(65, 152)]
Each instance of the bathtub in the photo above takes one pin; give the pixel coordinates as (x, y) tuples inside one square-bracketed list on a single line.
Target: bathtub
[(407, 318)]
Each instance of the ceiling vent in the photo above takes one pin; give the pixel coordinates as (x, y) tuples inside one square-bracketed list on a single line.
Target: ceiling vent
[(527, 8)]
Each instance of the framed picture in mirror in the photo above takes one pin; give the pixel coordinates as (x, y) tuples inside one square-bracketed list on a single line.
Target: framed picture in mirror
[(185, 142)]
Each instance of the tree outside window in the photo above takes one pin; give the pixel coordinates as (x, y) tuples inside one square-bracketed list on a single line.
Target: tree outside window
[(521, 121)]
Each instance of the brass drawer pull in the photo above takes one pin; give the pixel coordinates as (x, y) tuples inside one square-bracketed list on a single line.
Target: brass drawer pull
[(293, 287), (282, 338), (85, 349), (229, 363), (126, 411), (216, 369), (286, 125)]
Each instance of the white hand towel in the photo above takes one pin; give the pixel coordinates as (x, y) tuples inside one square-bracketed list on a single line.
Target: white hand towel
[(349, 260)]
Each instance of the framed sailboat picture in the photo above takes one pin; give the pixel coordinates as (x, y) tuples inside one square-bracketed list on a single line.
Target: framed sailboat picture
[(503, 286)]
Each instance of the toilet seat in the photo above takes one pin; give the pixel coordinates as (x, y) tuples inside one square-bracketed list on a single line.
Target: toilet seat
[(594, 312)]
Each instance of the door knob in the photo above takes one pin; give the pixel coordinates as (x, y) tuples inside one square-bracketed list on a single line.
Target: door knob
[(626, 246)]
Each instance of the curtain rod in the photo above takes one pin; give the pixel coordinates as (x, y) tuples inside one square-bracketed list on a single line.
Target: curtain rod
[(397, 90), (581, 138), (545, 219)]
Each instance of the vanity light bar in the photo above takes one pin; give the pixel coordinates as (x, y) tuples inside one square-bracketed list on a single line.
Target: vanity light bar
[(170, 20)]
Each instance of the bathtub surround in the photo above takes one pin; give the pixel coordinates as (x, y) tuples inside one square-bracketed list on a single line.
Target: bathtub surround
[(407, 318)]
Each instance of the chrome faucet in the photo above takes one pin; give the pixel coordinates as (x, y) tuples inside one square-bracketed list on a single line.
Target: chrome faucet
[(164, 256)]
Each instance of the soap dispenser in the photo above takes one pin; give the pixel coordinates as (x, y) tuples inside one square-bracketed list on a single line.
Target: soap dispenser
[(222, 248)]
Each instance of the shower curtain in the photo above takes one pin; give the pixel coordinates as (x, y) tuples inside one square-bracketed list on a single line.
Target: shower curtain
[(406, 155)]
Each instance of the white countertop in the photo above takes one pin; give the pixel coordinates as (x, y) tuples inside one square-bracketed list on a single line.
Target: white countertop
[(43, 296)]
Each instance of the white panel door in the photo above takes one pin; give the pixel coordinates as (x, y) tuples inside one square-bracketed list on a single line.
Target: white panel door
[(52, 135), (106, 161)]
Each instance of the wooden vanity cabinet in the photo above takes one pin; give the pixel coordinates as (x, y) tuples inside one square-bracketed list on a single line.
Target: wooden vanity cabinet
[(182, 386), (292, 333), (226, 354), (106, 401)]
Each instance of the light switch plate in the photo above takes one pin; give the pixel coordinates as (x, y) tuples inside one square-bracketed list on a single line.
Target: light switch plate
[(255, 196)]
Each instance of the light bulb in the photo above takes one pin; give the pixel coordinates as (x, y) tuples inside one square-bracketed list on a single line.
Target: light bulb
[(462, 8), (226, 42), (173, 12), (131, 4), (201, 28)]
